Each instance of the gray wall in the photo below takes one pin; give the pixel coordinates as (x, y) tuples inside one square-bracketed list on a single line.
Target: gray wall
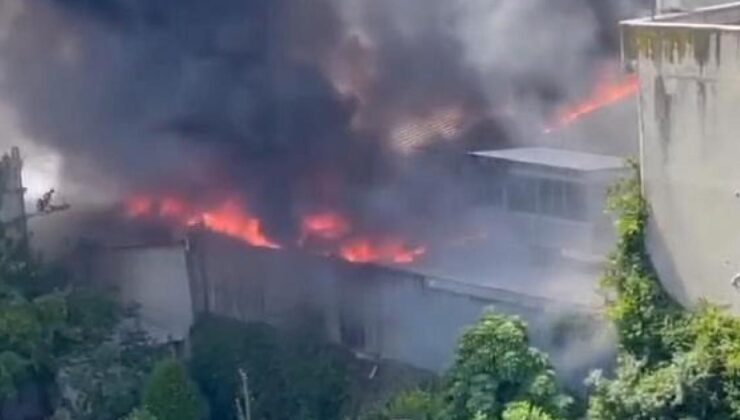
[(155, 278), (402, 316), (690, 104), (379, 312)]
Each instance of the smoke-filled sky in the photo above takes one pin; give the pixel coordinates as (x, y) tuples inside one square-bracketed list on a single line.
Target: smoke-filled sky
[(290, 103)]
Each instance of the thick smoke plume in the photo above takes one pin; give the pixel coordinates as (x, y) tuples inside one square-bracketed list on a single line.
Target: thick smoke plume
[(292, 104)]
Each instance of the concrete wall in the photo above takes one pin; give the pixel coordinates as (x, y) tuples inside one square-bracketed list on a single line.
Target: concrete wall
[(687, 4), (689, 101), (381, 312), (155, 278)]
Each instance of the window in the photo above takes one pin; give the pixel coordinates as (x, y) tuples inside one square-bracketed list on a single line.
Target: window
[(546, 196), (575, 202), (522, 194), (552, 198)]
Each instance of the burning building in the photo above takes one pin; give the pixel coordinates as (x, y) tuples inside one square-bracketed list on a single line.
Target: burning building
[(532, 252), (689, 96), (260, 158)]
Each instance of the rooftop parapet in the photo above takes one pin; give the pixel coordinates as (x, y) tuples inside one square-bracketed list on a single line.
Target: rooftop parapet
[(671, 37)]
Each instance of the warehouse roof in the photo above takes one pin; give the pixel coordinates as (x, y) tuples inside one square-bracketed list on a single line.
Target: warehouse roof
[(555, 158)]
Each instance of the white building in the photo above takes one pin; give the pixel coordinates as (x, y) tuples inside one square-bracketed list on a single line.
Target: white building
[(553, 198), (689, 101)]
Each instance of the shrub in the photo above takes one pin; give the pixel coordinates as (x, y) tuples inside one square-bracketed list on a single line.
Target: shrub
[(170, 394)]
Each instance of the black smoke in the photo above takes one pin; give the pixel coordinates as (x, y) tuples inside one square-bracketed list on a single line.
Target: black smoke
[(209, 97)]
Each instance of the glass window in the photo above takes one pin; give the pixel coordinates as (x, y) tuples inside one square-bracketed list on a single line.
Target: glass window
[(522, 195), (576, 207), (549, 197)]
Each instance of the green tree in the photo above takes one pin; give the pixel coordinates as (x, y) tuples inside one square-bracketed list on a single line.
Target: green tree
[(673, 363), (105, 382), (140, 414), (495, 365), (522, 410), (414, 404), (291, 376), (170, 394), (643, 313)]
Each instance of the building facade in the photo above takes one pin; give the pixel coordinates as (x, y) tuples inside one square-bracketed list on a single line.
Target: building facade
[(689, 74), (379, 312)]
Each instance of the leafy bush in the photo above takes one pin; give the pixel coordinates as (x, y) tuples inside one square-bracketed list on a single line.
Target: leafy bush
[(522, 410), (170, 394), (413, 404), (673, 363), (105, 382), (495, 365), (140, 414), (291, 376)]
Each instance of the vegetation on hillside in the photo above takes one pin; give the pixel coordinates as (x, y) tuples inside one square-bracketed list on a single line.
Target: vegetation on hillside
[(496, 374), (291, 376), (170, 393), (64, 347), (673, 363)]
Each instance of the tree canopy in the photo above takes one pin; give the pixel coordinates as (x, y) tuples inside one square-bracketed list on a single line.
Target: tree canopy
[(170, 394)]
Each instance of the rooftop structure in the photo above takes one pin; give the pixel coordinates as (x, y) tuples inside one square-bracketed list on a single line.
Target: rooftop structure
[(668, 5), (555, 158), (688, 66), (538, 226)]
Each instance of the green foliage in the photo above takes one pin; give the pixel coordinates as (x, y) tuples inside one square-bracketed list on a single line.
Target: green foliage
[(13, 368), (170, 394), (105, 381), (522, 410), (494, 366), (412, 405), (642, 312), (140, 414), (64, 340), (496, 374), (673, 363), (34, 324), (294, 376)]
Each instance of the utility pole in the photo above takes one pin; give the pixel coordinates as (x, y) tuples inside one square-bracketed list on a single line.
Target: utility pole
[(244, 411)]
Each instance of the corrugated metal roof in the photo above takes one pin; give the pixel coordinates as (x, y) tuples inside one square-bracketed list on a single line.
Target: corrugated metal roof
[(556, 158)]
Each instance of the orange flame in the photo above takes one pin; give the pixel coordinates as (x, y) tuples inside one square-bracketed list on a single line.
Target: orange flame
[(326, 225), (603, 95), (139, 206), (364, 251), (232, 219), (229, 219)]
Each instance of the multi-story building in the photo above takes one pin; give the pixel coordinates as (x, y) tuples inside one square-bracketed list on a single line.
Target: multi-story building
[(689, 75)]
